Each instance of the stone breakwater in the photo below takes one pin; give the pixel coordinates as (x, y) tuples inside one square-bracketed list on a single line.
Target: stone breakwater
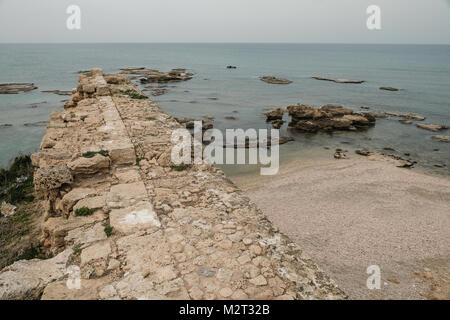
[(133, 226)]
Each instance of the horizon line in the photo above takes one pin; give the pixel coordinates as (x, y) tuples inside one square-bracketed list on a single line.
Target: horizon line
[(240, 42)]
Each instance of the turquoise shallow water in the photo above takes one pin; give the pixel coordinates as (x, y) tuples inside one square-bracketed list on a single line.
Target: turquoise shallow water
[(423, 72)]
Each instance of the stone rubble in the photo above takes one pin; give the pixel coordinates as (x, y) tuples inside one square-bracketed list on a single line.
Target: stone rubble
[(153, 232)]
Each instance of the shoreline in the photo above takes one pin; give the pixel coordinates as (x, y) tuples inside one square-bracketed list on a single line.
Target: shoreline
[(350, 214)]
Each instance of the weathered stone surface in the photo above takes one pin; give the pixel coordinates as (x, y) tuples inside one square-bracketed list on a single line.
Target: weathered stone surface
[(95, 252), (52, 177), (27, 279), (89, 166), (71, 198), (131, 219)]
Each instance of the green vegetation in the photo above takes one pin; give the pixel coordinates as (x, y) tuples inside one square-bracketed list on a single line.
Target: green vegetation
[(84, 211), (134, 94), (16, 183), (138, 160), (180, 167), (34, 252), (108, 230), (91, 154), (151, 118), (77, 249)]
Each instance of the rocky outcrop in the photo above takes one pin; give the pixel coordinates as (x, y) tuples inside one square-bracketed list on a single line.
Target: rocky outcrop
[(388, 89), (340, 80), (155, 76), (14, 88), (328, 118), (442, 138), (432, 127), (136, 226), (407, 116), (274, 80)]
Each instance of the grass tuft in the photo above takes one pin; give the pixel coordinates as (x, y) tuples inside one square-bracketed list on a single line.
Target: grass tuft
[(84, 211), (134, 94)]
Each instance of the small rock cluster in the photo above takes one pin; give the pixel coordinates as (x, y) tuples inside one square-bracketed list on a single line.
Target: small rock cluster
[(327, 118)]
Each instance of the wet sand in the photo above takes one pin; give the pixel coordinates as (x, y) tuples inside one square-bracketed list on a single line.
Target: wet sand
[(351, 214)]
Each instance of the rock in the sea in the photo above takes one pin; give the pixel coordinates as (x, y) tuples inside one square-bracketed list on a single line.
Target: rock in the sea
[(155, 76), (364, 153), (231, 67), (389, 89), (274, 80), (5, 125), (277, 124), (442, 138), (7, 209), (340, 155), (432, 127), (340, 80), (405, 121), (230, 118), (405, 115), (274, 114), (14, 88), (256, 144), (327, 118), (59, 92)]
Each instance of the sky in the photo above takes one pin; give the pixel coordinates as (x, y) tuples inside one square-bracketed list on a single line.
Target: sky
[(304, 21)]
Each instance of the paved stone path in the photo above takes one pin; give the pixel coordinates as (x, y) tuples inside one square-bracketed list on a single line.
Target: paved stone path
[(177, 233)]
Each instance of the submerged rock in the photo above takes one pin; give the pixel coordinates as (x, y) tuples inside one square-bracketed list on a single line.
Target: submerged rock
[(389, 89), (432, 127), (274, 80), (340, 80), (256, 144), (442, 138), (231, 67), (327, 118), (14, 88), (59, 92), (406, 115)]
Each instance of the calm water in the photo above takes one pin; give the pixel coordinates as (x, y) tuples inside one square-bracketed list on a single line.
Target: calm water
[(422, 71)]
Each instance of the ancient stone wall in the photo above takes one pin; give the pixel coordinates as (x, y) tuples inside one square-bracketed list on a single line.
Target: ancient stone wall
[(137, 227)]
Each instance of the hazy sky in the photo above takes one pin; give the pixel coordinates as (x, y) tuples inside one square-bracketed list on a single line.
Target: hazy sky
[(344, 21)]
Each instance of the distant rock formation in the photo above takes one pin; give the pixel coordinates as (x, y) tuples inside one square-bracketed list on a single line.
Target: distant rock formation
[(389, 89), (155, 76), (432, 127), (340, 80), (274, 80), (14, 88)]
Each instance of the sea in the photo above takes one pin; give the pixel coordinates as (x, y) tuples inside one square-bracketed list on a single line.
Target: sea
[(422, 72)]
